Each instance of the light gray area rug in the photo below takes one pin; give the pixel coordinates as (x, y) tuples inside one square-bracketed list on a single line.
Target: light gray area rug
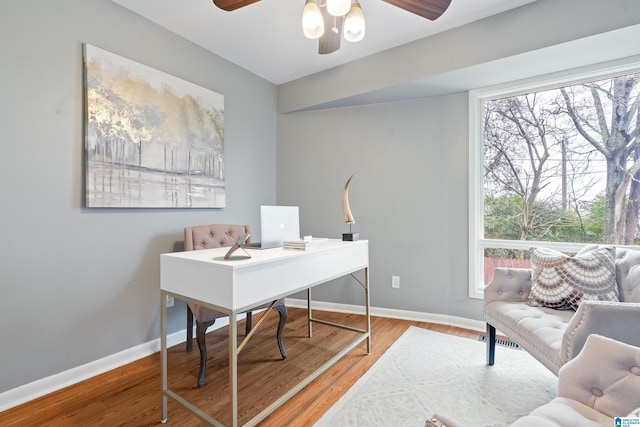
[(426, 372)]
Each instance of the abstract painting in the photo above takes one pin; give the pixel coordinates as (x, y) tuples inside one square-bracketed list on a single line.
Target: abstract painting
[(152, 140)]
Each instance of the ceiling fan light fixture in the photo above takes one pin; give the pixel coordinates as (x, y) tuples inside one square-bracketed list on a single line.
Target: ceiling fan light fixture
[(346, 15), (312, 22), (354, 24), (338, 7)]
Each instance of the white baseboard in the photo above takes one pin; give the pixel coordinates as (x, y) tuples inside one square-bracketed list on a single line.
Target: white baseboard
[(440, 319), (38, 388)]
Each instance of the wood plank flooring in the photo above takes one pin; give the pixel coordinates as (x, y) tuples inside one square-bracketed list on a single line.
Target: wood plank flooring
[(130, 395)]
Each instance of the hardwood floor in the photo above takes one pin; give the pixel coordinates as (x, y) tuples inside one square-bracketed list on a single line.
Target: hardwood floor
[(130, 395)]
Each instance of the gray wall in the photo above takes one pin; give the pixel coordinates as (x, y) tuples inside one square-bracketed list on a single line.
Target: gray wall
[(81, 284), (408, 195)]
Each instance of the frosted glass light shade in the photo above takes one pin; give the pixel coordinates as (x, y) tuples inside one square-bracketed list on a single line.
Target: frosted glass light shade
[(354, 24), (338, 7), (312, 22)]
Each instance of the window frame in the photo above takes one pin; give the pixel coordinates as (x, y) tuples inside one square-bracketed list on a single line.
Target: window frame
[(477, 242)]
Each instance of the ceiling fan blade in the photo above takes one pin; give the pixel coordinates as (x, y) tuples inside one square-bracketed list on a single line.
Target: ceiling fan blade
[(330, 40), (430, 9), (230, 5)]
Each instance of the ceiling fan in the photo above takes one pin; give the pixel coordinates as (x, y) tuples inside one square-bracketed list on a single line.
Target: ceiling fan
[(322, 20)]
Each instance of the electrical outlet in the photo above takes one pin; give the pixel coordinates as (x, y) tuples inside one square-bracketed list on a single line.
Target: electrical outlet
[(395, 282), (170, 301)]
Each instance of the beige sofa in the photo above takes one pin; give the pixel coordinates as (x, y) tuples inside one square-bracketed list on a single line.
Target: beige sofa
[(556, 336), (602, 383)]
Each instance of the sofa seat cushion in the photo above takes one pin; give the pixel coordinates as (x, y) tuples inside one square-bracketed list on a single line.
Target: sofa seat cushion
[(539, 330), (566, 413)]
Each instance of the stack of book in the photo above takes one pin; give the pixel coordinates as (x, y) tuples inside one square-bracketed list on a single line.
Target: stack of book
[(306, 243)]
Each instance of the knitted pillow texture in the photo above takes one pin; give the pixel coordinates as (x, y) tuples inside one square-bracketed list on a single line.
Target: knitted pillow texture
[(560, 281)]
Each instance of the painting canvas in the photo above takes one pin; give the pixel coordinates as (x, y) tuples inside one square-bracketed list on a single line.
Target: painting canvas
[(152, 140)]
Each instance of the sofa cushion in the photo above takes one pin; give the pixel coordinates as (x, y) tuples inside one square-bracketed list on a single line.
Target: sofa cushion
[(628, 274), (539, 330), (560, 281)]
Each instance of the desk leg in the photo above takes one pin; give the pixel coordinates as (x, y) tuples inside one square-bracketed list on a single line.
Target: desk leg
[(309, 314), (163, 353), (366, 291), (233, 366)]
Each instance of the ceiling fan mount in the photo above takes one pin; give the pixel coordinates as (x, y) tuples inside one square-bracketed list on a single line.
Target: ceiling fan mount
[(328, 25)]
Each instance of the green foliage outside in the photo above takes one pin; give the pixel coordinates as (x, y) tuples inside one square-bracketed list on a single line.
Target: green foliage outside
[(502, 220)]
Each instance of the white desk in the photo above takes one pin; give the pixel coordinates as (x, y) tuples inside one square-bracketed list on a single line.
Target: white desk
[(233, 286)]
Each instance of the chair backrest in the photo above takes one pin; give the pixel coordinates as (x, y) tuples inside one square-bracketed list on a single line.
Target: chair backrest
[(605, 376), (628, 274), (212, 236)]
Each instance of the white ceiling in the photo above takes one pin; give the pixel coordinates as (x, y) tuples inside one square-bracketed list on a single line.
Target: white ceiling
[(266, 37)]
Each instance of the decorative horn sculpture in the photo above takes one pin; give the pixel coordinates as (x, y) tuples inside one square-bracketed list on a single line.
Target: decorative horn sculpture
[(348, 216)]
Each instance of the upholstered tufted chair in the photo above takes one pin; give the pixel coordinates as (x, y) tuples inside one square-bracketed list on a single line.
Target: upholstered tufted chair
[(215, 236), (599, 385)]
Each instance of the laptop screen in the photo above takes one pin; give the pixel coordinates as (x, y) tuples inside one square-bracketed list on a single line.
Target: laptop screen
[(277, 224)]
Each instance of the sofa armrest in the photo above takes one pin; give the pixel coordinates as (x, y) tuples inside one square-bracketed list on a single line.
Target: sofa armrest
[(616, 320), (605, 376), (508, 284)]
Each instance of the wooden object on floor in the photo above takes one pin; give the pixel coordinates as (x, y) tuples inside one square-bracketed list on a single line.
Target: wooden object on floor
[(129, 395)]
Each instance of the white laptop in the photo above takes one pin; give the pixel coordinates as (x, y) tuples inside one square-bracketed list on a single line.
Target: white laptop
[(277, 224)]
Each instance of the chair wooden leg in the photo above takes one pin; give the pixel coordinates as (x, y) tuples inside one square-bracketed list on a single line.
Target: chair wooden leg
[(490, 339), (282, 311), (201, 332), (248, 325), (189, 329)]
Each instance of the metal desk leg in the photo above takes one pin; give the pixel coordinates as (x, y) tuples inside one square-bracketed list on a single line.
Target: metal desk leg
[(366, 291), (163, 353), (309, 314), (233, 366)]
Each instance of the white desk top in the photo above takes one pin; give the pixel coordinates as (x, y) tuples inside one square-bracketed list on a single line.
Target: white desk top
[(205, 276), (258, 256)]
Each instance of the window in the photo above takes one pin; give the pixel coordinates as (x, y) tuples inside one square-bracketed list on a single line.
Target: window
[(554, 163)]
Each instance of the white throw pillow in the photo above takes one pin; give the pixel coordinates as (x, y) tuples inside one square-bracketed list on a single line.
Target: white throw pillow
[(560, 281)]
